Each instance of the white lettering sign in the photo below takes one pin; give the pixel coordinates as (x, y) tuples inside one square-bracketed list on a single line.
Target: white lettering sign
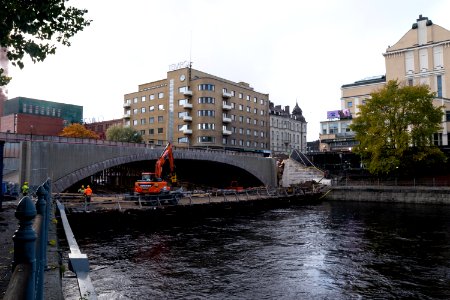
[(180, 65)]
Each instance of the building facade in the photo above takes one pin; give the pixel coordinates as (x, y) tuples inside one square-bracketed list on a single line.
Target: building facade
[(421, 56), (287, 130), (32, 116), (335, 133), (193, 108), (100, 127)]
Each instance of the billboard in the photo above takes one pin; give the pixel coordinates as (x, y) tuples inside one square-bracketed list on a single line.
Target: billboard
[(339, 114)]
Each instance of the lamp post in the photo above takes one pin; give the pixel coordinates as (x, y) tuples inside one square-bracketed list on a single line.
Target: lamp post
[(31, 132)]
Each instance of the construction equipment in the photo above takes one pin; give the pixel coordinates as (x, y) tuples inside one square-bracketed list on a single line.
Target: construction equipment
[(152, 183)]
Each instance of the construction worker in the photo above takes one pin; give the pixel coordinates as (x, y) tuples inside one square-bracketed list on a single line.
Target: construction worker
[(81, 190), (25, 188), (87, 196)]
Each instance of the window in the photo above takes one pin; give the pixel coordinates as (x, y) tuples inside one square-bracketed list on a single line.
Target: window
[(247, 143), (206, 126), (151, 120), (233, 117), (241, 119), (349, 104), (206, 100), (24, 108), (206, 113), (161, 107), (262, 123), (233, 141), (261, 112), (152, 97), (151, 108), (261, 101), (255, 100), (143, 99), (241, 95), (182, 102), (143, 121), (135, 100), (135, 122), (182, 114), (255, 133), (224, 141), (249, 132), (160, 119), (241, 130), (248, 108), (241, 107), (182, 89), (160, 95), (447, 115), (262, 134), (248, 97), (160, 130), (439, 86), (135, 111), (183, 140), (142, 132), (206, 87), (206, 139), (151, 131), (249, 120), (241, 143), (143, 110), (255, 122)]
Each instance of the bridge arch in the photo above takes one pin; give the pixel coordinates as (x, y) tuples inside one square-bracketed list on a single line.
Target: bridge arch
[(68, 163)]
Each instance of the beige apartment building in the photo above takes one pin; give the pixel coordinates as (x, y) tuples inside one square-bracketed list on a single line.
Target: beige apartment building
[(421, 56), (191, 108)]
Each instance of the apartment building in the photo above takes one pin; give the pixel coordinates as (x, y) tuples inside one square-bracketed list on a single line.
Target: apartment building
[(193, 108), (287, 130), (421, 56)]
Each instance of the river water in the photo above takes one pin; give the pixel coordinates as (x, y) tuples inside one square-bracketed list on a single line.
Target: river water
[(337, 250)]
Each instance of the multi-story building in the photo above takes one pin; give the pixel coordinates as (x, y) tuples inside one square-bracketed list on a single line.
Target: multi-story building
[(101, 127), (335, 133), (32, 116), (421, 56), (193, 108), (287, 131)]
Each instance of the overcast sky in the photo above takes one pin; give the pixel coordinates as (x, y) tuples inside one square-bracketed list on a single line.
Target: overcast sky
[(300, 51)]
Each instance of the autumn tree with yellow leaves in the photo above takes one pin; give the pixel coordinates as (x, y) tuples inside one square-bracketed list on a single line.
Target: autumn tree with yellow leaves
[(77, 130)]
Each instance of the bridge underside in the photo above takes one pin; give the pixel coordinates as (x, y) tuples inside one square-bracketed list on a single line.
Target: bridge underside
[(191, 174)]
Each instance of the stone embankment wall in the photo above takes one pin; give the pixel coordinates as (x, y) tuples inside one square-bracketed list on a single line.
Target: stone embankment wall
[(400, 194)]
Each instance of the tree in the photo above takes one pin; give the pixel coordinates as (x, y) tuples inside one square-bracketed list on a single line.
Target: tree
[(119, 133), (77, 130), (34, 27), (395, 128)]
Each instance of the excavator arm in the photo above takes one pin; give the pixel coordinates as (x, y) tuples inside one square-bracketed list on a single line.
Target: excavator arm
[(167, 154)]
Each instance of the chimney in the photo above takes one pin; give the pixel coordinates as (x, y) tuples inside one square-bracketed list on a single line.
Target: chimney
[(287, 109)]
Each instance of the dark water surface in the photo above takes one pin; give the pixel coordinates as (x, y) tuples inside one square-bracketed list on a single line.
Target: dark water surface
[(337, 250)]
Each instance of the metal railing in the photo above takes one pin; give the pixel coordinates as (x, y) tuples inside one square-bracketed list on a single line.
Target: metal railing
[(411, 182), (30, 246)]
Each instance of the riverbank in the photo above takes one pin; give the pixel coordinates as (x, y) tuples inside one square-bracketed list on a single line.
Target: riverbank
[(393, 194)]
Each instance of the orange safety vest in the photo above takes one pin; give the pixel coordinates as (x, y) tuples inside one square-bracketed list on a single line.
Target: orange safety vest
[(88, 191)]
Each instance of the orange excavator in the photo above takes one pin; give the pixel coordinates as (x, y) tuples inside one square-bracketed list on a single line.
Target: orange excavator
[(152, 183)]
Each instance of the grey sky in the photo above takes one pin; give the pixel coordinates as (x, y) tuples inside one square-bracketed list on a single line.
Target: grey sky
[(293, 50)]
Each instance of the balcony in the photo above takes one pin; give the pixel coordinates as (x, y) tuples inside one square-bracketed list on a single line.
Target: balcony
[(226, 106), (126, 105), (187, 105), (126, 116), (187, 118), (226, 131), (187, 93), (226, 119), (227, 95), (187, 131)]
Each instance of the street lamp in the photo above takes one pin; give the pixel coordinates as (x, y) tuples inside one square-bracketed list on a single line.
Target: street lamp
[(31, 132)]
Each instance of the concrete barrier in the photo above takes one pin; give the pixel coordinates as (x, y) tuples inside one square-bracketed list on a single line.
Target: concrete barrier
[(400, 194)]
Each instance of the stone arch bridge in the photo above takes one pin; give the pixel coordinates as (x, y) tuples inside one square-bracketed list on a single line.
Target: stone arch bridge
[(68, 160)]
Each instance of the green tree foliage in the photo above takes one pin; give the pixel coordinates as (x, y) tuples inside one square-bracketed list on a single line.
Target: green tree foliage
[(34, 27), (395, 128), (77, 130), (123, 134)]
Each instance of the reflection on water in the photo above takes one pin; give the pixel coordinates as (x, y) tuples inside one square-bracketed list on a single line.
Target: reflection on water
[(326, 251)]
